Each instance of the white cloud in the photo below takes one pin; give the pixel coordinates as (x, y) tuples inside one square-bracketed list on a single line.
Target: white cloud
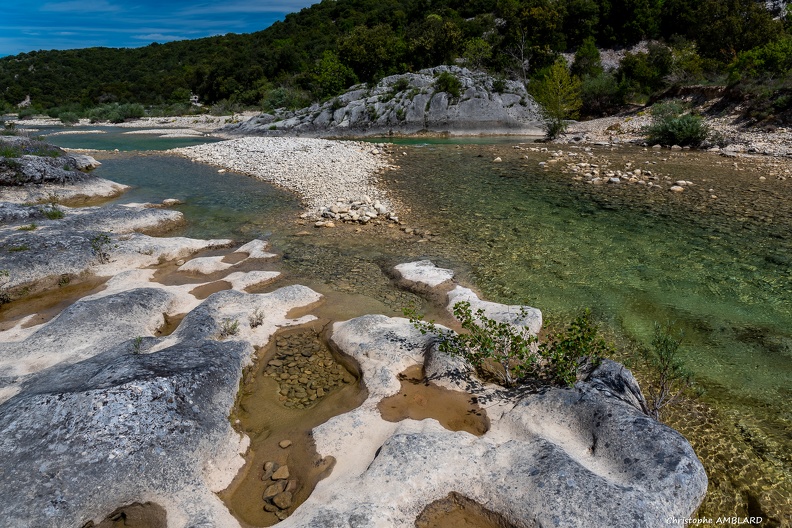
[(152, 37), (81, 6)]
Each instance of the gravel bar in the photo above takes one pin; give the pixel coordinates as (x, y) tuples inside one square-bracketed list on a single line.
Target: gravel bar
[(322, 172)]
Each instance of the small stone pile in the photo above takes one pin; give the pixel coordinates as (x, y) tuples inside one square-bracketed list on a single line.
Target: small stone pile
[(361, 210), (305, 370), (585, 166), (279, 487)]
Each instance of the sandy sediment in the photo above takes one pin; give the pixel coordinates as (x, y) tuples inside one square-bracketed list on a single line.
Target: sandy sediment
[(322, 172)]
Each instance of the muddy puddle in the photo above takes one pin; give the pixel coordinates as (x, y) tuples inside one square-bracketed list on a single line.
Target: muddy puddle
[(297, 383), (458, 511), (420, 399), (146, 515), (46, 305)]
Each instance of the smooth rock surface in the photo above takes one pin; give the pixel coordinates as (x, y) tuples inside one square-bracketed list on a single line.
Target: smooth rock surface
[(132, 420), (567, 457)]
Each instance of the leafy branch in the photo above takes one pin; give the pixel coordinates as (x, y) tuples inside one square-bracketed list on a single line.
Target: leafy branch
[(513, 350)]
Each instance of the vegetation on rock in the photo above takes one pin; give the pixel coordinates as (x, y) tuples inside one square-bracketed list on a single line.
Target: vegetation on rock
[(515, 352)]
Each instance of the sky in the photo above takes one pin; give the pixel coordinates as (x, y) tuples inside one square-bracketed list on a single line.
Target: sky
[(28, 25)]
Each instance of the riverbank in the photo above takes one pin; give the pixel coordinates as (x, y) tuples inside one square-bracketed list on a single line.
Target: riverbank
[(729, 134), (330, 177)]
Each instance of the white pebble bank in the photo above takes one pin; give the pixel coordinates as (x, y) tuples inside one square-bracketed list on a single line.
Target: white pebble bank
[(320, 171)]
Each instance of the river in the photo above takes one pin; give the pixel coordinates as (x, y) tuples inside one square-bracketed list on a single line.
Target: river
[(522, 234)]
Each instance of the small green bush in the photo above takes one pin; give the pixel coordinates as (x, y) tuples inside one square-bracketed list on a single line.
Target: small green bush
[(672, 127), (515, 351), (25, 113), (669, 382), (53, 213), (499, 85), (228, 328), (448, 82), (69, 118), (401, 84), (100, 246)]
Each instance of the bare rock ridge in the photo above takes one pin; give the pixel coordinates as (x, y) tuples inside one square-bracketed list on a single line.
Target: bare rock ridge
[(408, 104)]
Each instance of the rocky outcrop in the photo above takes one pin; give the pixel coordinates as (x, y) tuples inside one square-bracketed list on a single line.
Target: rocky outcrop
[(135, 419), (73, 242), (562, 457), (408, 104), (27, 161)]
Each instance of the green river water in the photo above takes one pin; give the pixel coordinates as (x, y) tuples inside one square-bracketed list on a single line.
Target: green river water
[(520, 235)]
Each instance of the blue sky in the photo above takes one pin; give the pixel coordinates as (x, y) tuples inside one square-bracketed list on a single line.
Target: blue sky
[(27, 25)]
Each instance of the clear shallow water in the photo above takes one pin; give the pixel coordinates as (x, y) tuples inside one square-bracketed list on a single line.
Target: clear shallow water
[(117, 138), (534, 239), (215, 205)]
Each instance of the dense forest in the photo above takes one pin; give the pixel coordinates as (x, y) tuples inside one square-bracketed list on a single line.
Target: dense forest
[(316, 53)]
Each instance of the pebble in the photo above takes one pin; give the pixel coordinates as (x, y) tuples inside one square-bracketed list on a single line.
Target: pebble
[(285, 443), (282, 473), (305, 370), (283, 500), (677, 188)]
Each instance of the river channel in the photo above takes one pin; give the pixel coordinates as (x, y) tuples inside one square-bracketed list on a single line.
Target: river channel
[(718, 269)]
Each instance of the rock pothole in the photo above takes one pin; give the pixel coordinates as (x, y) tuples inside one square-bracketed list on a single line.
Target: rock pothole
[(305, 369), (458, 511), (137, 515), (420, 399)]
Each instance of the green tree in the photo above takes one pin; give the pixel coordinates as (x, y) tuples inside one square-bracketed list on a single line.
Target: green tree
[(558, 93), (434, 42), (477, 52), (587, 59), (371, 52), (332, 76)]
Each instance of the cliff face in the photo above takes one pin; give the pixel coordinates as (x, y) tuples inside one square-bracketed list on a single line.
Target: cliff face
[(412, 103)]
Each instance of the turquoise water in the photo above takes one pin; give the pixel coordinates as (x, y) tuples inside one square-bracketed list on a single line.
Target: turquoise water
[(215, 205), (117, 138), (531, 238)]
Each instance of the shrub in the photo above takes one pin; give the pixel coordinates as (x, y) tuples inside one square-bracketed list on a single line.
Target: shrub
[(25, 113), (514, 350), (100, 246), (401, 84), (285, 97), (69, 118), (669, 381), (52, 212), (256, 319), (600, 94), (448, 82), (499, 85), (672, 127), (132, 111), (229, 327)]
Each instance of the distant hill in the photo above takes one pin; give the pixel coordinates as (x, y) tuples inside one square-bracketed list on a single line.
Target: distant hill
[(323, 49)]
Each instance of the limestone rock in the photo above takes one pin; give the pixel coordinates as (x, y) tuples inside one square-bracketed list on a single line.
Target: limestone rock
[(395, 107), (586, 456)]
